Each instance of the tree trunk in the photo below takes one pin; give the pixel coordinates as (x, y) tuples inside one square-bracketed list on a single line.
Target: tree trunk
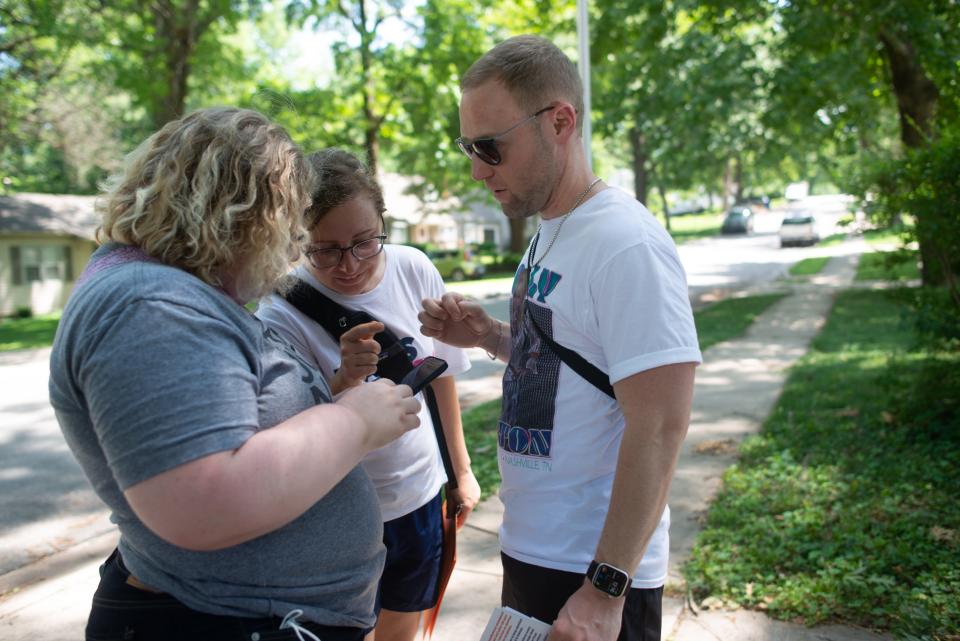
[(658, 180), (178, 31), (371, 143), (518, 232), (640, 176), (737, 179), (371, 129), (916, 93), (178, 72), (917, 97), (666, 205), (727, 179)]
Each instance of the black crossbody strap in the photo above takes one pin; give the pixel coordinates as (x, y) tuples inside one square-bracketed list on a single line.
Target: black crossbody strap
[(337, 319), (593, 374), (431, 399), (322, 309), (332, 316)]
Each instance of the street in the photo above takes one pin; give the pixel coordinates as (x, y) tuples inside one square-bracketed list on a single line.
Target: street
[(733, 263)]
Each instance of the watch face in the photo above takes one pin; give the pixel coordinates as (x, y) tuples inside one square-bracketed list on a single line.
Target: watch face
[(610, 580)]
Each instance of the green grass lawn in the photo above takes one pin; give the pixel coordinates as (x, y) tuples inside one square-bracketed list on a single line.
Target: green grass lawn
[(692, 227), (721, 321), (833, 239), (480, 432), (891, 265), (885, 236), (730, 318), (844, 507), (22, 333), (809, 266)]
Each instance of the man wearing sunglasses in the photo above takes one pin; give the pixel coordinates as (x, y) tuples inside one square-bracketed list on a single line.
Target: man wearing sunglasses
[(585, 471)]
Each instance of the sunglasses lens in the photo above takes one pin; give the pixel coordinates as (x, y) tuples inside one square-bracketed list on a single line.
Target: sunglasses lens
[(486, 150)]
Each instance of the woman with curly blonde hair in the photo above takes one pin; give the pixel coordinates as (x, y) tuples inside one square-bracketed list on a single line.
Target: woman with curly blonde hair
[(220, 452)]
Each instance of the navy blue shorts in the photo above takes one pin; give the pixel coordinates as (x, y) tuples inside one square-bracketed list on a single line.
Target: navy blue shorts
[(411, 575)]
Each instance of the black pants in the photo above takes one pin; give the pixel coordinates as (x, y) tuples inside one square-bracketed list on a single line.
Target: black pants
[(541, 592), (123, 612)]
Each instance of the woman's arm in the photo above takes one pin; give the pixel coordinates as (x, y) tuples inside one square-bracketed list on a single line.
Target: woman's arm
[(230, 497)]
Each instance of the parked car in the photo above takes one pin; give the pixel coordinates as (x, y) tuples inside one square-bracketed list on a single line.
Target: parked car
[(799, 229), (738, 220), (696, 205), (456, 264), (797, 190), (754, 201)]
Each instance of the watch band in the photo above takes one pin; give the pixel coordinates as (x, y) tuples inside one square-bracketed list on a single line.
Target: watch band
[(608, 579)]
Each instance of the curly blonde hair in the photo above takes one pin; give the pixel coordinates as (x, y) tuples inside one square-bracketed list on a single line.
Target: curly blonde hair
[(219, 193)]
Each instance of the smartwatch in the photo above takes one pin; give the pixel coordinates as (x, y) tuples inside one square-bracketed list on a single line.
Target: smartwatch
[(608, 579)]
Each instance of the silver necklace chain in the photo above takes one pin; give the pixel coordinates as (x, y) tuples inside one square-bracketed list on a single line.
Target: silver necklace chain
[(560, 226)]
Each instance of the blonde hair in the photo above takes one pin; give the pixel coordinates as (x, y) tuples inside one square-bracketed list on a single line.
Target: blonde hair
[(533, 70), (219, 193)]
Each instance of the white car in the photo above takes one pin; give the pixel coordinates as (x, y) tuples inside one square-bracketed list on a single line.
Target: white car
[(799, 229), (797, 191)]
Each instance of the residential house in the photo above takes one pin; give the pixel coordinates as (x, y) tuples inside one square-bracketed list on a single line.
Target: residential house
[(447, 223), (45, 241)]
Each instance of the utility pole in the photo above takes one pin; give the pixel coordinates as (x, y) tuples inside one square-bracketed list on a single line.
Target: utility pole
[(583, 35)]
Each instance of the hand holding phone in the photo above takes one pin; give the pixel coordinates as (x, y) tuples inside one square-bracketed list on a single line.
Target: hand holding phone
[(421, 375)]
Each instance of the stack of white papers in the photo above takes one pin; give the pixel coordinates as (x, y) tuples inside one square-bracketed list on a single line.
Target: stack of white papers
[(506, 624)]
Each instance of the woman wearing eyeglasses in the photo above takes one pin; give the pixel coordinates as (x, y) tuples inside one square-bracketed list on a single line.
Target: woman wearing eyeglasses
[(348, 262)]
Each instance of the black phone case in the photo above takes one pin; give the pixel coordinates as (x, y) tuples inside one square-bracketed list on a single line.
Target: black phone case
[(411, 378)]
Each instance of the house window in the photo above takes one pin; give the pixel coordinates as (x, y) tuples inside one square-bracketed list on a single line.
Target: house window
[(489, 236), (38, 263)]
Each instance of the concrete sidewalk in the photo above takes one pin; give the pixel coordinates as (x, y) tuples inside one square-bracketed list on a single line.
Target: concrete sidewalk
[(736, 388)]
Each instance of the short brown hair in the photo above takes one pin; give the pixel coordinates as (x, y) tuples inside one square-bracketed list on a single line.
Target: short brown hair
[(533, 70), (220, 191), (341, 176)]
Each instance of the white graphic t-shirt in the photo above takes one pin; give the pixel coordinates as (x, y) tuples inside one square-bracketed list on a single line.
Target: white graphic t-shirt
[(613, 290)]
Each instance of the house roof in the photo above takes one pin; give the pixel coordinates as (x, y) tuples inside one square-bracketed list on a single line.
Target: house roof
[(50, 214)]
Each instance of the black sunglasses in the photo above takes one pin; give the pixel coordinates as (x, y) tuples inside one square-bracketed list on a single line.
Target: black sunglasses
[(486, 148)]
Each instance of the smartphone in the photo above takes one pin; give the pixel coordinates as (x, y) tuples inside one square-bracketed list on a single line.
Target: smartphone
[(430, 368)]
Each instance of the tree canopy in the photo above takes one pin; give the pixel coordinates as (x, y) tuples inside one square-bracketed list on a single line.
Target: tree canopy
[(721, 97)]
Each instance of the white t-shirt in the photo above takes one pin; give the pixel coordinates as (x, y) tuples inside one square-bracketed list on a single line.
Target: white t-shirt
[(408, 472), (613, 290)]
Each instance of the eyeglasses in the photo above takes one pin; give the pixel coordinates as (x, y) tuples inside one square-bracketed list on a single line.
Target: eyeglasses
[(486, 148), (331, 256)]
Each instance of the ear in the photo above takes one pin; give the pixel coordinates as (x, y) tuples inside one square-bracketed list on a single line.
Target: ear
[(564, 121)]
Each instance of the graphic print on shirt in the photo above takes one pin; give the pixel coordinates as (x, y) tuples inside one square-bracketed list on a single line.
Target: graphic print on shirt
[(532, 376), (318, 386), (410, 347)]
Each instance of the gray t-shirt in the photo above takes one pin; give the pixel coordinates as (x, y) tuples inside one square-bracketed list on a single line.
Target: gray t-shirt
[(152, 368)]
